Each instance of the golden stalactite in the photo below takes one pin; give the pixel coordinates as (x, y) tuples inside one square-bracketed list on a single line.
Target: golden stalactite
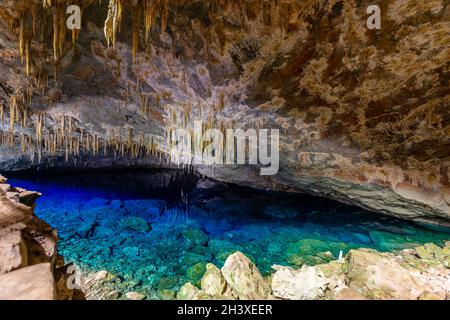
[(22, 39), (59, 29), (2, 114), (136, 21), (164, 11), (12, 111), (113, 21), (27, 58), (71, 141), (47, 3)]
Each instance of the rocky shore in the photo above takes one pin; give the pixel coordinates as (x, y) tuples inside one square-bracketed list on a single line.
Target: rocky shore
[(422, 273), (30, 268)]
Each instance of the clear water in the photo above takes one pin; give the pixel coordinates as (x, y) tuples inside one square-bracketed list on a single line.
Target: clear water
[(156, 230)]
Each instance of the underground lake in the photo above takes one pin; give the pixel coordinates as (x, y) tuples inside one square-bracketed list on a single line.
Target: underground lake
[(155, 230)]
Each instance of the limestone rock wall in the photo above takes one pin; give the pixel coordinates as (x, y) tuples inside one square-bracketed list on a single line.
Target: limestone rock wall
[(363, 114), (30, 268)]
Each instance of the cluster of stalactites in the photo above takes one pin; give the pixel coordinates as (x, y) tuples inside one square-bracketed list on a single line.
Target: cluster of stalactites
[(149, 9), (184, 116), (31, 28), (41, 135)]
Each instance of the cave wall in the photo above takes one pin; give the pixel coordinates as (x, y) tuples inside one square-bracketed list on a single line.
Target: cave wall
[(363, 114)]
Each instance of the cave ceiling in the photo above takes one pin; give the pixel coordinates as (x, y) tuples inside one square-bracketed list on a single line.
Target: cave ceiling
[(366, 110)]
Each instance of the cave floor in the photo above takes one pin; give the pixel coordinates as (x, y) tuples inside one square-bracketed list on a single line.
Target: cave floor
[(153, 231)]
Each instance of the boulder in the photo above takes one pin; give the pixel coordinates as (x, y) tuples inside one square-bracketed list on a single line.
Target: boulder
[(41, 240), (188, 292), (379, 276), (29, 283), (213, 283), (244, 278), (308, 283), (13, 252), (12, 212)]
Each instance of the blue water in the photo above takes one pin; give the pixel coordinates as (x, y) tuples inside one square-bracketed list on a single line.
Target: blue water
[(156, 230)]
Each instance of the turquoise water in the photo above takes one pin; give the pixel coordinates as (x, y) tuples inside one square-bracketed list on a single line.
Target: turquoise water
[(156, 230)]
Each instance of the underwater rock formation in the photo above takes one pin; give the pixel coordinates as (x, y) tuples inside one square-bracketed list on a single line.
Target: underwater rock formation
[(30, 268), (422, 273), (363, 114)]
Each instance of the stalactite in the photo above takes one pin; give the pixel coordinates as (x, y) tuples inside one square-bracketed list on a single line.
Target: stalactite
[(56, 35), (22, 39), (113, 21), (149, 15), (24, 118), (12, 110), (22, 143), (136, 21), (27, 58), (66, 149), (164, 14), (130, 138)]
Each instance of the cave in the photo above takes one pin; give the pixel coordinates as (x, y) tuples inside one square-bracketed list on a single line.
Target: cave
[(224, 150)]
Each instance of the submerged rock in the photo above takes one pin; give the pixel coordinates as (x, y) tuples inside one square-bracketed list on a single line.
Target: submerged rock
[(148, 208), (195, 273), (196, 236), (281, 212), (134, 223)]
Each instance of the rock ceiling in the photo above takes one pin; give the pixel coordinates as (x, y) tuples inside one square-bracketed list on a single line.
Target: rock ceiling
[(363, 114)]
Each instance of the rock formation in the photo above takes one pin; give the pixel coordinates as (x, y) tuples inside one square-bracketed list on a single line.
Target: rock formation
[(363, 114), (30, 268), (422, 273)]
